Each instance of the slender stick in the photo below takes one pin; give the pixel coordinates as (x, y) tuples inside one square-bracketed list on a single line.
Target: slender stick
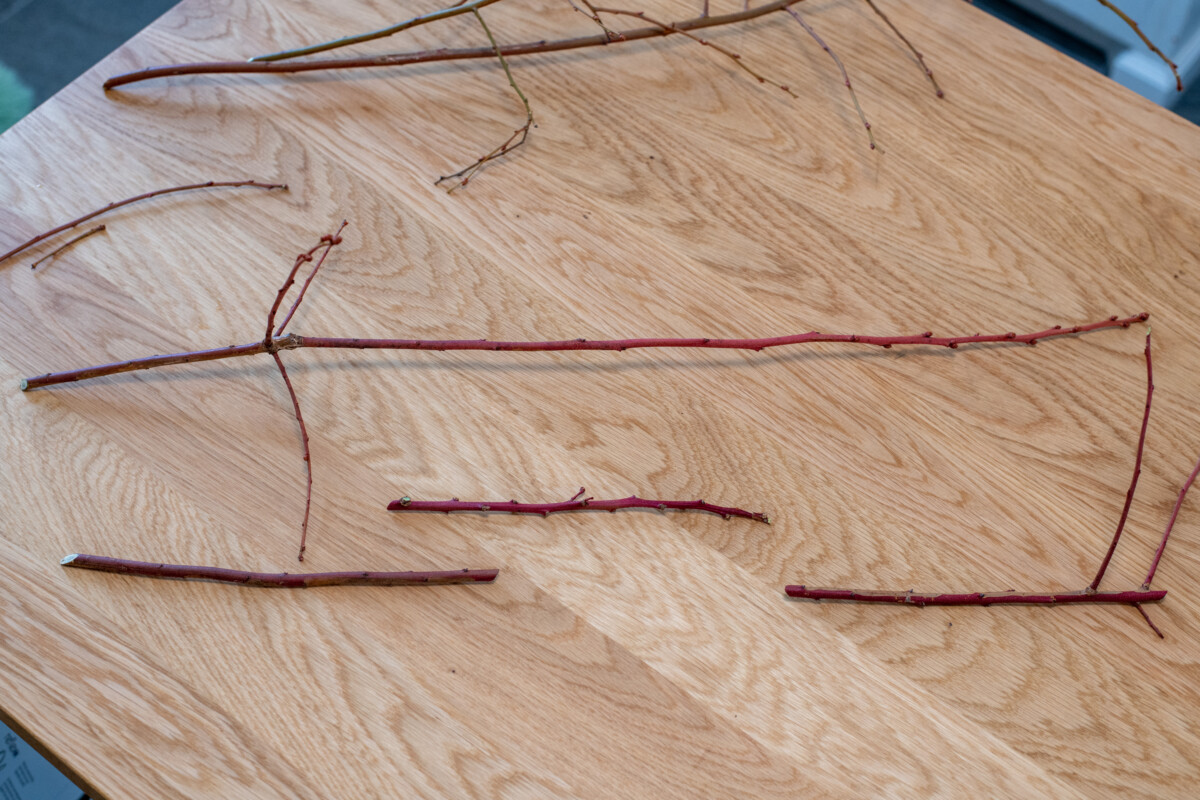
[(594, 16), (736, 58), (576, 503), (307, 454), (512, 142), (976, 598), (916, 53), (845, 75), (441, 54), (1149, 621), (327, 241), (279, 580), (391, 30), (293, 341), (69, 243), (112, 206), (330, 242), (1158, 554), (1153, 48), (1137, 471)]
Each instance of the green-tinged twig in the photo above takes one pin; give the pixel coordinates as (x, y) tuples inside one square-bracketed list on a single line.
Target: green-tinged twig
[(424, 19), (512, 142)]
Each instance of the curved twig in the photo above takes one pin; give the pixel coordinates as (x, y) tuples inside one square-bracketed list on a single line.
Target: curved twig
[(1128, 20), (118, 204), (512, 142), (442, 54)]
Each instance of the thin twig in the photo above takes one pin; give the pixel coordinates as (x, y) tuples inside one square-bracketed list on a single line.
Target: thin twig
[(293, 341), (336, 239), (845, 75), (111, 206), (1137, 471), (1158, 554), (454, 10), (307, 454), (69, 243), (440, 54), (736, 58), (279, 580), (512, 142), (594, 16), (916, 53), (327, 241), (1128, 20), (1149, 621), (576, 503)]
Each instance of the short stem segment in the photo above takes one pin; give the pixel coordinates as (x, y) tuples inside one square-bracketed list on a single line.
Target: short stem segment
[(280, 580), (577, 503), (976, 598)]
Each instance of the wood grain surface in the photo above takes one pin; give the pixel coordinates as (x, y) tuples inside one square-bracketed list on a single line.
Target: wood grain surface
[(662, 193)]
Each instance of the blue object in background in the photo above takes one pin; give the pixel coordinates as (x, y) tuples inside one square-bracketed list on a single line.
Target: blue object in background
[(16, 100), (25, 775)]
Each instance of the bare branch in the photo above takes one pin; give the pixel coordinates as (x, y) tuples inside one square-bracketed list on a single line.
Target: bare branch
[(576, 503), (1137, 471), (69, 244), (293, 341), (845, 76), (113, 206), (916, 53), (512, 142), (278, 580)]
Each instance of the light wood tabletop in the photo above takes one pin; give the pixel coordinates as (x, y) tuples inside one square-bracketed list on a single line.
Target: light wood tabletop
[(663, 192)]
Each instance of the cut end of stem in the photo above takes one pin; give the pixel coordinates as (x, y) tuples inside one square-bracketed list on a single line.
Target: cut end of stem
[(24, 384), (66, 562)]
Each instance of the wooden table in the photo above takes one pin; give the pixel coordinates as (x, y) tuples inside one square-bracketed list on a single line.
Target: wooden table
[(663, 193)]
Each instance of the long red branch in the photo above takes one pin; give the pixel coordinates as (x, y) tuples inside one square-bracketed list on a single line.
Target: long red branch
[(577, 503), (442, 54), (293, 341), (976, 598), (112, 206), (280, 580), (1137, 471)]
